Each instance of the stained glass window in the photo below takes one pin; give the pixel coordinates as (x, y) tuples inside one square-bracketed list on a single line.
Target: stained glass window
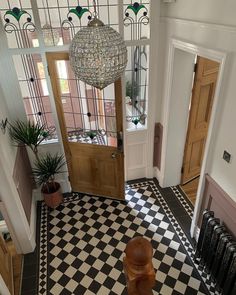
[(31, 76), (136, 88), (136, 19), (18, 21), (60, 20)]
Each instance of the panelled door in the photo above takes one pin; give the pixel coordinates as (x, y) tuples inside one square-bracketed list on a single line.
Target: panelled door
[(91, 127), (199, 116)]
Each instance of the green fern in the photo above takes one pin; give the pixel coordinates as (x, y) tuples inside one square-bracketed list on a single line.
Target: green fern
[(46, 167), (28, 133)]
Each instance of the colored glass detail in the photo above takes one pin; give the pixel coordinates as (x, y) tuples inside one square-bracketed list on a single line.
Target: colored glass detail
[(79, 11), (136, 7), (91, 134), (135, 121), (136, 15), (16, 13), (19, 22)]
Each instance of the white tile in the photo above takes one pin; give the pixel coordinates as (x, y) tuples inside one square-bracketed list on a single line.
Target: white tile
[(86, 281), (56, 275), (166, 290), (180, 287)]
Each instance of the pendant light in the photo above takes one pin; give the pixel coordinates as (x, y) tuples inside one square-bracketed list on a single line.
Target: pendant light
[(50, 35), (98, 54)]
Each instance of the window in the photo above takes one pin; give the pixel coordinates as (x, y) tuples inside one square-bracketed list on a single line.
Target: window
[(59, 22), (62, 71), (31, 76), (42, 78)]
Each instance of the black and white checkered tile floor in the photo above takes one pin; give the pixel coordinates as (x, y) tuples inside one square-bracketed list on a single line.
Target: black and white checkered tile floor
[(82, 245)]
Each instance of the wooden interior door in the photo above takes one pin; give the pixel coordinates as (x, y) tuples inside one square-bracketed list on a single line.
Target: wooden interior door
[(91, 127), (199, 116), (6, 269)]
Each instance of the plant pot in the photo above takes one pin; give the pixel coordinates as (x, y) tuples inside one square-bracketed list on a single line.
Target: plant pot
[(53, 199)]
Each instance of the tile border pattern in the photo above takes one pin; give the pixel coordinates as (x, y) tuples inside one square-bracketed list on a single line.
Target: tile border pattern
[(42, 276), (182, 200)]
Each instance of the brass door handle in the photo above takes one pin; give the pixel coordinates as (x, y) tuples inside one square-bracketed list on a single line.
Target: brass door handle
[(113, 155)]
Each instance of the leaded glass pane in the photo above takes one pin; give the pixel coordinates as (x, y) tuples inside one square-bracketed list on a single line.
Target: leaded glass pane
[(61, 20), (90, 114), (18, 21), (31, 75), (136, 19), (137, 79)]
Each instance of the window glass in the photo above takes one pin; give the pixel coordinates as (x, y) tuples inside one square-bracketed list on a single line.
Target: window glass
[(61, 20), (18, 21), (136, 88), (136, 19), (33, 85)]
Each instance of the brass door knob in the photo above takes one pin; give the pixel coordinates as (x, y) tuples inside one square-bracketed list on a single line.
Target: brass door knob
[(113, 155)]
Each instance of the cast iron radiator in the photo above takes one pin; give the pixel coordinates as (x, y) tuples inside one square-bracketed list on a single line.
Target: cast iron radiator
[(216, 253)]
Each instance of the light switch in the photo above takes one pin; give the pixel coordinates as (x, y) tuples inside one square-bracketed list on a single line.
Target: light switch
[(227, 156)]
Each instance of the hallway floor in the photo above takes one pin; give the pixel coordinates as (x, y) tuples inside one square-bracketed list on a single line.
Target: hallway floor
[(190, 189), (82, 243)]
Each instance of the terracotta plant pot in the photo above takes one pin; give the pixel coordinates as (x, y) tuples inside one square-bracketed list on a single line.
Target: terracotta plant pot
[(55, 198)]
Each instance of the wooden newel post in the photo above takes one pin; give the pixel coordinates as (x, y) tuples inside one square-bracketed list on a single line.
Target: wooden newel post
[(138, 267)]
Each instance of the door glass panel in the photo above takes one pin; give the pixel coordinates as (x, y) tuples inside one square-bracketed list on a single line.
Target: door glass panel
[(137, 83), (90, 114)]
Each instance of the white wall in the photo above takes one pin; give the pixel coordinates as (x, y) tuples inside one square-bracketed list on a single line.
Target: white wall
[(212, 11), (3, 288), (223, 39), (8, 191), (8, 150), (178, 117)]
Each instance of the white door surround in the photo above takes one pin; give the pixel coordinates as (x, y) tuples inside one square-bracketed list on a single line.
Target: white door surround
[(220, 57)]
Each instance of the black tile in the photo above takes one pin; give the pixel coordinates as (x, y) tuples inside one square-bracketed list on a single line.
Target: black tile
[(29, 270), (30, 292), (29, 283)]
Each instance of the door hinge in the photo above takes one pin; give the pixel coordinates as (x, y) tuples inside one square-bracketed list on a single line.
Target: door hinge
[(182, 169), (195, 68)]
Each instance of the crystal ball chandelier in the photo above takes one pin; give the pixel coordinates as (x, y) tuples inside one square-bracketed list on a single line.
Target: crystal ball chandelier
[(98, 54)]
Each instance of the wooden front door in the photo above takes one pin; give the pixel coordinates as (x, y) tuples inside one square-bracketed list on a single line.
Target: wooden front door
[(6, 269), (91, 127), (199, 116)]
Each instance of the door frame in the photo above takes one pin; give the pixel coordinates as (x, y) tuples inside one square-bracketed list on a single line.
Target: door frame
[(222, 58)]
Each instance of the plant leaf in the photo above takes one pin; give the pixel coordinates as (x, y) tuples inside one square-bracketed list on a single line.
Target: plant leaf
[(47, 167), (27, 133)]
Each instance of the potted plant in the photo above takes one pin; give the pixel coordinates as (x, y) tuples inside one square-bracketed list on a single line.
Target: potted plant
[(29, 134), (46, 167)]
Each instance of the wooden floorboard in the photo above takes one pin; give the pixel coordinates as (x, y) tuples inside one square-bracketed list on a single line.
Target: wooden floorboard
[(190, 189)]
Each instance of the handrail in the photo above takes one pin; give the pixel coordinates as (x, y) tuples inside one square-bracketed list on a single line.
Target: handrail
[(138, 267)]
